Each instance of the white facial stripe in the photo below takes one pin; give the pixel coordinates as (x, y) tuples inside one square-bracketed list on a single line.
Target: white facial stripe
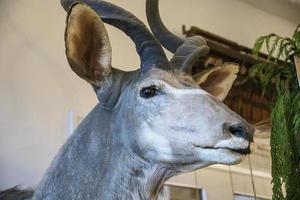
[(153, 82), (189, 92)]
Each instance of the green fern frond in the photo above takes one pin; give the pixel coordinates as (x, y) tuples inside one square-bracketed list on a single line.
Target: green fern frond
[(258, 45), (274, 45)]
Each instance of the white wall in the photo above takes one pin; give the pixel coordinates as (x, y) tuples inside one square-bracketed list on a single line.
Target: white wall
[(38, 88)]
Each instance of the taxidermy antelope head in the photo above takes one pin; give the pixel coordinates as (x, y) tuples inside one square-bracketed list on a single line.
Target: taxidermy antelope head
[(150, 124)]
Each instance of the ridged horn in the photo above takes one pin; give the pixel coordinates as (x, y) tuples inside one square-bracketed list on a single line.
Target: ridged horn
[(186, 50)]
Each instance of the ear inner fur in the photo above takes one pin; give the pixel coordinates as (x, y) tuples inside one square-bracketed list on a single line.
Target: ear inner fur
[(87, 44), (218, 81)]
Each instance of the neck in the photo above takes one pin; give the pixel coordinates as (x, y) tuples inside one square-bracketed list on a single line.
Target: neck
[(135, 178)]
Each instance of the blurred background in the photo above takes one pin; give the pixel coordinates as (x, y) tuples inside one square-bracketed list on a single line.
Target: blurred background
[(42, 100)]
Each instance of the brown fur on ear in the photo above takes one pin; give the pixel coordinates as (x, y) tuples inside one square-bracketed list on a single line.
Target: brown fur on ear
[(87, 44), (218, 80)]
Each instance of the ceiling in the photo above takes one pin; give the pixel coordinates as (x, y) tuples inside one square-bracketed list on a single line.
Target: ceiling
[(287, 9)]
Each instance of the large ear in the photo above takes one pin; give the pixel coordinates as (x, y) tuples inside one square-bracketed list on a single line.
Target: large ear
[(87, 44), (218, 80)]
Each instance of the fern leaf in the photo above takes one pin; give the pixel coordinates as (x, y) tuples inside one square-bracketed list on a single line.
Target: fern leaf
[(258, 45)]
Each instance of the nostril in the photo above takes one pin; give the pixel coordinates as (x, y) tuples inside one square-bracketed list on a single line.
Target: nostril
[(239, 130)]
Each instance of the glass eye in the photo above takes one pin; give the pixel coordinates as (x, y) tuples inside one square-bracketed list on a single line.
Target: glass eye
[(148, 92)]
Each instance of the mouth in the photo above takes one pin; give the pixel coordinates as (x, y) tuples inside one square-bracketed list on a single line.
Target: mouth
[(245, 151), (242, 151)]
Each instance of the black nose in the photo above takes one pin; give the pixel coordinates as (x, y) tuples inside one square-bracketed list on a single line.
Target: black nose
[(239, 130)]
